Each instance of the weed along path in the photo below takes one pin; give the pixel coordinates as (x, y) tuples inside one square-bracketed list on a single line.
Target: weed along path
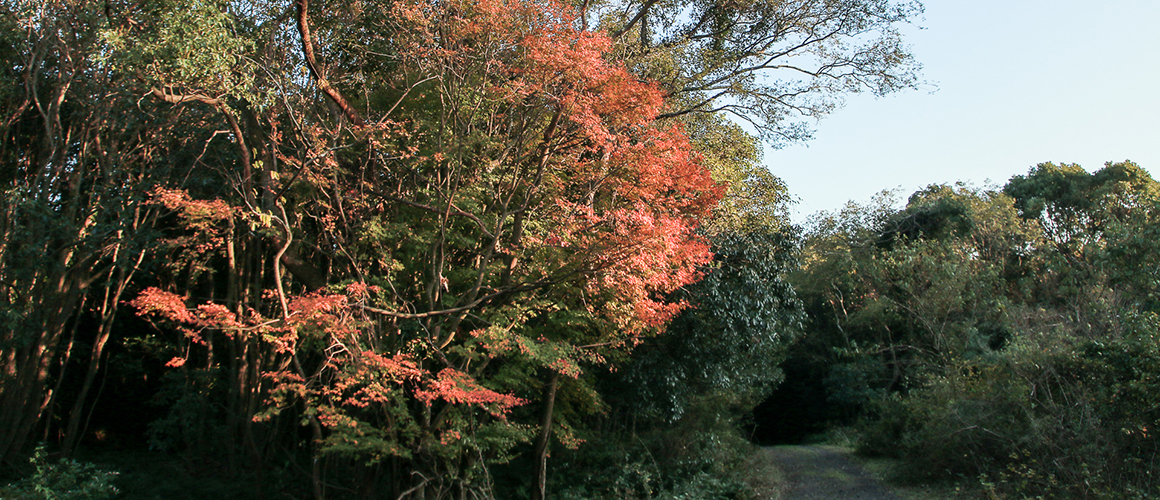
[(824, 473)]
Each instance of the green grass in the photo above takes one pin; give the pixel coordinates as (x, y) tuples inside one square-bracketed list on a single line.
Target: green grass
[(766, 479), (887, 471)]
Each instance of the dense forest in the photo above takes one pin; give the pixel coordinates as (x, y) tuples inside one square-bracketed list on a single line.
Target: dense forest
[(1006, 336), (480, 249)]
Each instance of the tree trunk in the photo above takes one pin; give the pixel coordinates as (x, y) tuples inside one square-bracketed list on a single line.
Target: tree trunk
[(540, 454), (26, 369), (113, 292)]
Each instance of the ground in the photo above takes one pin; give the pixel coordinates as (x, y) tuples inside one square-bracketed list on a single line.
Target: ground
[(820, 473)]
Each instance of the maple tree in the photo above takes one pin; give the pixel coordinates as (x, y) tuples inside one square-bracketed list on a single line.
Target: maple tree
[(509, 201)]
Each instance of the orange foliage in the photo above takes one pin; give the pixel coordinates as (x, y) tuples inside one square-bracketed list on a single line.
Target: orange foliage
[(610, 203)]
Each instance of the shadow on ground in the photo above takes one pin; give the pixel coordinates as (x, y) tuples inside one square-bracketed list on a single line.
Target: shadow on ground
[(825, 473)]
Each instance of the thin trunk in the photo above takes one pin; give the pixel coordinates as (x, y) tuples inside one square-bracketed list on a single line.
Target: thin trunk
[(108, 315), (540, 454), (64, 360), (71, 436), (23, 400), (316, 462)]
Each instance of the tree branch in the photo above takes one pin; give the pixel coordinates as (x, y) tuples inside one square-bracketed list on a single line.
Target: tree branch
[(639, 15), (316, 70)]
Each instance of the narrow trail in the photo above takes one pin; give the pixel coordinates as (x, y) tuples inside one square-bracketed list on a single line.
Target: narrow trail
[(825, 473)]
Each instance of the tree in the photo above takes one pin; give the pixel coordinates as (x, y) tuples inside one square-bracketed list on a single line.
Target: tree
[(500, 208), (1077, 211), (898, 295), (79, 158), (727, 347), (404, 225), (768, 63), (1074, 206), (1000, 335)]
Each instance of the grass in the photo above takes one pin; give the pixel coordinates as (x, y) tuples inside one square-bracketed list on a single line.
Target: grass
[(766, 479), (886, 471)]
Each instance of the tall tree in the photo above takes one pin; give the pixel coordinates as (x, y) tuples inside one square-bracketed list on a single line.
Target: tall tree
[(501, 201), (770, 63), (79, 157), (1077, 211)]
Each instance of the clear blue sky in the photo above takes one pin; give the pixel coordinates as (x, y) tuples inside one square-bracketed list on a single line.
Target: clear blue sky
[(1016, 83)]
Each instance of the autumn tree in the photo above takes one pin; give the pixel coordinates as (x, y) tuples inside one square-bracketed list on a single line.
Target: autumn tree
[(499, 211)]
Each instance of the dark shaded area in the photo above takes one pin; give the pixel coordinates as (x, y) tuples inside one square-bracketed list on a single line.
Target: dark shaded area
[(797, 409)]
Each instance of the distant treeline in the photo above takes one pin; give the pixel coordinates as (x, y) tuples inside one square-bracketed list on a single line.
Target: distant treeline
[(1007, 337)]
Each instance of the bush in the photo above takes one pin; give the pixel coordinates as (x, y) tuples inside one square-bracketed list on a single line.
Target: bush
[(1050, 417), (63, 480), (702, 456)]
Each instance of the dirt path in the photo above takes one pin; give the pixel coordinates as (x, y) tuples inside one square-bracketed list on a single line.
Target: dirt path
[(825, 473)]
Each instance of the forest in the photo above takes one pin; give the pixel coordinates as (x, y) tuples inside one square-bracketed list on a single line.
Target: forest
[(528, 249)]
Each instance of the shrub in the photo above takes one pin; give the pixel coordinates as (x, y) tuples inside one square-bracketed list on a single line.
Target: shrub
[(63, 480), (1052, 416), (702, 456)]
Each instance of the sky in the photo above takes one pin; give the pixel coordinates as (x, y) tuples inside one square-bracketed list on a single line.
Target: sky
[(1010, 84)]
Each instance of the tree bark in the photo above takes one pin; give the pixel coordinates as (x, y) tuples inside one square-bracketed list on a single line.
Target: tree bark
[(541, 450)]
